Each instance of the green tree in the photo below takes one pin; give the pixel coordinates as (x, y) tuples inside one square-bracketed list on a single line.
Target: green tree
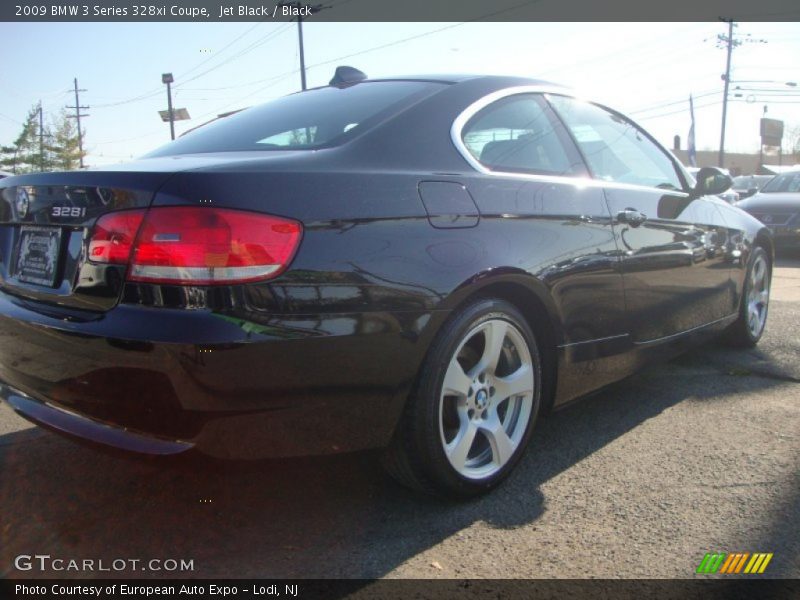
[(61, 151), (23, 155), (65, 154)]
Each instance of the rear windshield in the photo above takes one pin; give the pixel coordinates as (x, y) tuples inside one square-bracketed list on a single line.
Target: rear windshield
[(789, 182), (317, 118)]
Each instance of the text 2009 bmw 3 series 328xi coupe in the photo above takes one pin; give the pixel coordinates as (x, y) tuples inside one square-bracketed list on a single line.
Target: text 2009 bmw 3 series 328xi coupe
[(420, 264)]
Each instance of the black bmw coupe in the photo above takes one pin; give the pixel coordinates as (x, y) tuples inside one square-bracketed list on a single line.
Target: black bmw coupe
[(421, 264)]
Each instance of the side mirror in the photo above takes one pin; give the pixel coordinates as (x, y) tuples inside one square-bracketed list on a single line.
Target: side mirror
[(711, 181)]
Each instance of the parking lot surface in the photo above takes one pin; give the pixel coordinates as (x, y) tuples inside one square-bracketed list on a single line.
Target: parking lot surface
[(700, 454)]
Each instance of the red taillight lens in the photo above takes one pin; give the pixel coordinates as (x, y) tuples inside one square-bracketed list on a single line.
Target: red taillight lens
[(113, 236), (205, 246)]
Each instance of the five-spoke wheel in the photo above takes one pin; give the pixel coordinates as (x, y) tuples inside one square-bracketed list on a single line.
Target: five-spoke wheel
[(758, 295), (749, 327), (475, 404), (486, 398)]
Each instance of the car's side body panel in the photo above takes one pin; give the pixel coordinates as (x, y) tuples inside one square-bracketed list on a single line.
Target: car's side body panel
[(675, 263)]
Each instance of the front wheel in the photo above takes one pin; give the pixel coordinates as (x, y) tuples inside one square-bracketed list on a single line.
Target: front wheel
[(747, 330), (475, 404)]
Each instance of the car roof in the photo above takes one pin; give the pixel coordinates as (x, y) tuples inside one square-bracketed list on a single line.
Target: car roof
[(459, 77), (489, 81)]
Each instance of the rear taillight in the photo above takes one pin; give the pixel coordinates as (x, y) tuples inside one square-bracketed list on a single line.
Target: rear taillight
[(194, 245), (113, 236)]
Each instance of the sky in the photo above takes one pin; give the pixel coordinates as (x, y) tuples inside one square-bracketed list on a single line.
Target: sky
[(645, 70)]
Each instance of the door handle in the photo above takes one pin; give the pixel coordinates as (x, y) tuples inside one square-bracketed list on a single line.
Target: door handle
[(632, 217)]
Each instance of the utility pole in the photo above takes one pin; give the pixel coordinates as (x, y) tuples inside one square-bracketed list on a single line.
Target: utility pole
[(77, 116), (298, 8), (729, 41), (302, 53), (168, 79), (761, 144), (41, 137)]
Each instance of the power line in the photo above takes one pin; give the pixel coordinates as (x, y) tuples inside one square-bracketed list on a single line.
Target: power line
[(138, 98), (270, 36), (427, 33), (157, 91), (130, 139), (664, 105), (351, 55), (12, 119), (299, 8), (223, 49), (278, 78), (675, 112), (641, 59)]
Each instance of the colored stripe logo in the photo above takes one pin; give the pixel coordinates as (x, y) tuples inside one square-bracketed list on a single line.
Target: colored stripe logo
[(735, 563)]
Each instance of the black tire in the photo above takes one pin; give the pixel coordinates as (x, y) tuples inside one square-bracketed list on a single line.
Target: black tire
[(421, 455), (741, 333)]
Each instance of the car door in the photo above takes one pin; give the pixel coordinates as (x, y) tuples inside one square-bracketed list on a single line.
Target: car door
[(538, 215), (675, 271)]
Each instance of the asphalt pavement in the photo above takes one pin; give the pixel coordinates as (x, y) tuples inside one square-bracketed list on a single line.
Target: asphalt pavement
[(701, 454)]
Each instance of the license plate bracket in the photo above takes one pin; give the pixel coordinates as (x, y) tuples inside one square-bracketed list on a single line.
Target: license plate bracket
[(37, 258)]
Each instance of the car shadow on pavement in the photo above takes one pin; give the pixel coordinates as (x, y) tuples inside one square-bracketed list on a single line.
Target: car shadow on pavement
[(322, 517)]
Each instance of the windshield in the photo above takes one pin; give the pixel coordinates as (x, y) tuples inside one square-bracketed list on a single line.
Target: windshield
[(317, 118), (788, 182), (747, 182)]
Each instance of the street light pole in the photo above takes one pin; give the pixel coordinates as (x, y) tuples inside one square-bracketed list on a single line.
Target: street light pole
[(168, 79)]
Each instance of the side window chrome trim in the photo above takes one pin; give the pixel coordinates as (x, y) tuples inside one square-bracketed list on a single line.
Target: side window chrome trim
[(461, 120)]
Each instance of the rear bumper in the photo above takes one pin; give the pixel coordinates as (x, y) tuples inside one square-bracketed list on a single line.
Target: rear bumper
[(75, 425), (162, 381)]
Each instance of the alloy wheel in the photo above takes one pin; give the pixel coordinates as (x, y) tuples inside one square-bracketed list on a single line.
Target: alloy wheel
[(758, 296), (486, 399)]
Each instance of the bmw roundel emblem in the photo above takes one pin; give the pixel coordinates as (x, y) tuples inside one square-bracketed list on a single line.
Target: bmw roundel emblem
[(23, 202)]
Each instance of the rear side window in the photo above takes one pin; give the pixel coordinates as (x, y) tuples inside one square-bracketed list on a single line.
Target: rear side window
[(317, 118), (614, 148), (516, 134), (789, 182)]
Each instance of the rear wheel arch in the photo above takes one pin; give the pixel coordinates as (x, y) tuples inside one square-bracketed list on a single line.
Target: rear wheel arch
[(532, 299), (541, 320)]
